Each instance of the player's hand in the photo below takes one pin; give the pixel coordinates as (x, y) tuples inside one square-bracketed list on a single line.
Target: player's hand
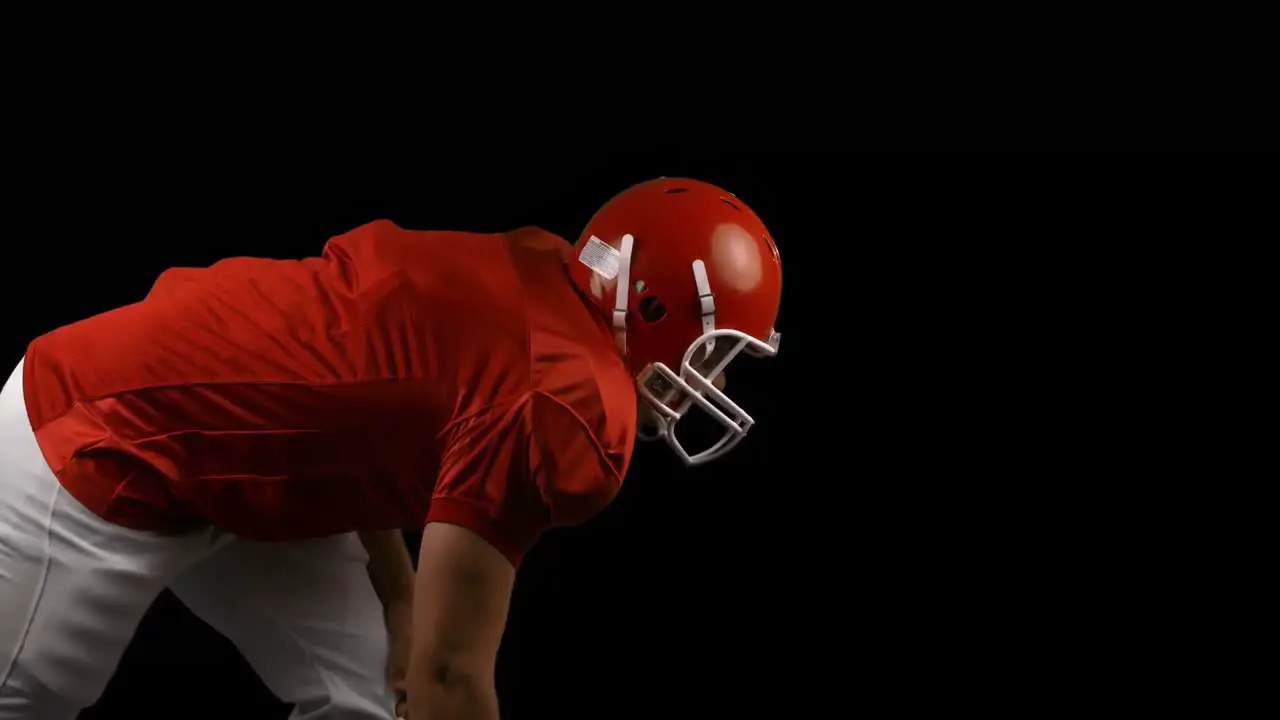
[(399, 616)]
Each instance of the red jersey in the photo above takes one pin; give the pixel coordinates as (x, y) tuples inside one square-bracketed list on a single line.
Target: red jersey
[(402, 378)]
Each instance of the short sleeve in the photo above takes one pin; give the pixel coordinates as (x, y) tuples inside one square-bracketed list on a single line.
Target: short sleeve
[(511, 473), (576, 476), (485, 483)]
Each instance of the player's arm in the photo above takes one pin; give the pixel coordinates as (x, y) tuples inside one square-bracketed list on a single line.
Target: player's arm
[(461, 597), (501, 485)]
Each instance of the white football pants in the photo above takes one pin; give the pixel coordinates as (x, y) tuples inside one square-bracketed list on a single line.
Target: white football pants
[(73, 588)]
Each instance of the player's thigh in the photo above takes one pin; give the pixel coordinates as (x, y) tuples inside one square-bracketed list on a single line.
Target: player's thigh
[(305, 616), (73, 587)]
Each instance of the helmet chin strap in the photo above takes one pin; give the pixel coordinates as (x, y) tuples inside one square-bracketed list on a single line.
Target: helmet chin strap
[(622, 296), (623, 291), (707, 309)]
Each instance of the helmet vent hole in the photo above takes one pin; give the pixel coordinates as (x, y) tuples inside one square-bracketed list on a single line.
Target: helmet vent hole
[(730, 203), (651, 309), (675, 191)]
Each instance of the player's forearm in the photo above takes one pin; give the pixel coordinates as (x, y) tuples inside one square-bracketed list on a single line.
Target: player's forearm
[(390, 567), (442, 695)]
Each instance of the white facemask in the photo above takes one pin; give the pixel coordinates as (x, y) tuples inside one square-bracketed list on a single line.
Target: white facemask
[(672, 394)]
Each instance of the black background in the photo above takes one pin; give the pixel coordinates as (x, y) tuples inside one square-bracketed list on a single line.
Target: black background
[(932, 513)]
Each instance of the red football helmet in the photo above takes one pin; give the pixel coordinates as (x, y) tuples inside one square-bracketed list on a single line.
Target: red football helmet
[(688, 277)]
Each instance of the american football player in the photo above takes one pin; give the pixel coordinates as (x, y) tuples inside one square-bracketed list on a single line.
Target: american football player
[(255, 435)]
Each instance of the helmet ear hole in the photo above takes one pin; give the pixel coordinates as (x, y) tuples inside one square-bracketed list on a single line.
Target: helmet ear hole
[(651, 309)]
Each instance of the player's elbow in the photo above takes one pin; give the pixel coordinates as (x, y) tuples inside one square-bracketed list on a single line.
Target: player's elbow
[(451, 688), (458, 669), (454, 673), (460, 606)]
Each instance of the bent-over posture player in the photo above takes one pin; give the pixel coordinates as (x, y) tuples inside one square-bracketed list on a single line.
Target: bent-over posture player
[(255, 434)]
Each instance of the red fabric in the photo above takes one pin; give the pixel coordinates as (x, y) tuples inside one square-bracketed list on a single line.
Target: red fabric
[(403, 377)]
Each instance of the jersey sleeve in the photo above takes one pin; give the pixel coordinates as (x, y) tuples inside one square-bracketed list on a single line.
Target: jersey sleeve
[(511, 474), (576, 476), (485, 485)]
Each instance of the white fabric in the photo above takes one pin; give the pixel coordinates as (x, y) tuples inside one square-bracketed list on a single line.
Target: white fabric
[(73, 588)]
